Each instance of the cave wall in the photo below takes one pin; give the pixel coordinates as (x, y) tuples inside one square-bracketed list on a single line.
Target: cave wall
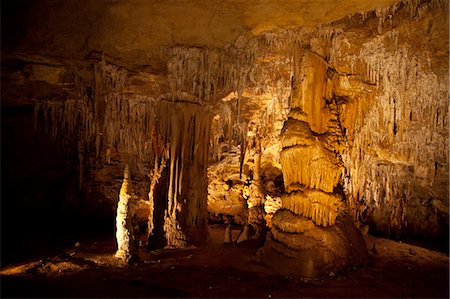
[(386, 84), (395, 117)]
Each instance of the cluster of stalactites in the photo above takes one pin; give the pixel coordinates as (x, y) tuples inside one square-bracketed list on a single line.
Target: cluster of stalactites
[(209, 74), (419, 7), (124, 122), (311, 166), (416, 9), (321, 207), (407, 125), (129, 125), (109, 77), (57, 117), (397, 132), (185, 129)]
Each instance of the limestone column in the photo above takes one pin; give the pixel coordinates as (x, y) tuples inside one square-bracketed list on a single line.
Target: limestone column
[(256, 199), (185, 127), (311, 235)]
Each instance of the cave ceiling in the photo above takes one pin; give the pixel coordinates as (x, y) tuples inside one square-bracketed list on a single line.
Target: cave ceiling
[(136, 33)]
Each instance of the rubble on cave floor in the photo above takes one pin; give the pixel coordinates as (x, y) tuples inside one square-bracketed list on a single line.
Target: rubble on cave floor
[(395, 270)]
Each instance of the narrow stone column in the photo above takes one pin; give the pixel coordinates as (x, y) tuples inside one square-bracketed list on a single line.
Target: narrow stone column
[(256, 200)]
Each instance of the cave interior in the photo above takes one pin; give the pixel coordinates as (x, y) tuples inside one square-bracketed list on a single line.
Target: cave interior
[(225, 148)]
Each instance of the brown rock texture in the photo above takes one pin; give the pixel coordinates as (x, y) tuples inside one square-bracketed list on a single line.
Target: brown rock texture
[(296, 246), (354, 92)]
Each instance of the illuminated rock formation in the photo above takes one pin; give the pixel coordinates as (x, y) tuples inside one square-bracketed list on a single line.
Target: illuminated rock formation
[(300, 241), (185, 130), (353, 111), (124, 230), (297, 246)]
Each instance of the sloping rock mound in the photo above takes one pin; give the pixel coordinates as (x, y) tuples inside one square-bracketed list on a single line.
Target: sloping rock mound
[(297, 247)]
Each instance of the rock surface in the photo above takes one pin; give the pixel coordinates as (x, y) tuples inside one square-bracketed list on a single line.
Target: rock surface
[(296, 246), (378, 128)]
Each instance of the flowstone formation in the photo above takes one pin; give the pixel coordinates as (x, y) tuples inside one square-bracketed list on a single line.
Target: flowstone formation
[(312, 235)]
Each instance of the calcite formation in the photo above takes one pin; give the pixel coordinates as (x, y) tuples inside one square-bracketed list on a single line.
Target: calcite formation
[(296, 246), (185, 128), (358, 109), (299, 234), (106, 123), (124, 230), (319, 206)]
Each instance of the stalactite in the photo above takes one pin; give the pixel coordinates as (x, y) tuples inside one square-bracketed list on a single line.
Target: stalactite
[(319, 206), (185, 127), (396, 130), (311, 166), (405, 85), (108, 120), (208, 74)]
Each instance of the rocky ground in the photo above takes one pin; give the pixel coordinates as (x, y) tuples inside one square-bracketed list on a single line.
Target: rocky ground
[(89, 270)]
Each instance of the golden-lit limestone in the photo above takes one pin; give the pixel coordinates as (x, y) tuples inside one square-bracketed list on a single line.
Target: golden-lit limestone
[(174, 234), (349, 86), (310, 87), (396, 120), (307, 157), (291, 223), (184, 128), (296, 246), (312, 166), (272, 204), (319, 206), (298, 114), (311, 237), (296, 132), (124, 229), (291, 241)]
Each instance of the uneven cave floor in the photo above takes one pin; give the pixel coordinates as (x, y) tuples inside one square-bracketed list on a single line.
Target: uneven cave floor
[(214, 270)]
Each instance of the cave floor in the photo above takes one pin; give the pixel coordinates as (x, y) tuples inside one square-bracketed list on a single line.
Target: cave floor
[(214, 270)]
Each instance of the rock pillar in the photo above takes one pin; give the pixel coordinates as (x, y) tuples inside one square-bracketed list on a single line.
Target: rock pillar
[(124, 229), (311, 235)]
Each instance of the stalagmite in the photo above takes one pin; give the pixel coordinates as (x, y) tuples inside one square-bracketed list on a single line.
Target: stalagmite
[(155, 176), (124, 230), (256, 198), (228, 237), (244, 235), (311, 232)]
